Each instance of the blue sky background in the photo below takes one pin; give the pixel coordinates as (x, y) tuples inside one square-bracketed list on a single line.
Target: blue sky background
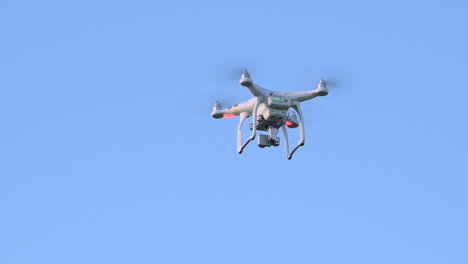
[(108, 153)]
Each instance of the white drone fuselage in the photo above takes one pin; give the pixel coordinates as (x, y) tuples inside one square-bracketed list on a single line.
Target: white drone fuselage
[(270, 111)]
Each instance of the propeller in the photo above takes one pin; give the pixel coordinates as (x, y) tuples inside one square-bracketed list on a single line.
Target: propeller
[(235, 73), (332, 83), (230, 73), (228, 92)]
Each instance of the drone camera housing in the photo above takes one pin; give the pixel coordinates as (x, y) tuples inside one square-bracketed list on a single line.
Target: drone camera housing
[(266, 141)]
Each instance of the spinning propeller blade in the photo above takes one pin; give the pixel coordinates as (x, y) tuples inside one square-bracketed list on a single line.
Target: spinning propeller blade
[(235, 74), (331, 82)]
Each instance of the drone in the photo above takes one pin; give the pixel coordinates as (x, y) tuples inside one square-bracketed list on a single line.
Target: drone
[(270, 111)]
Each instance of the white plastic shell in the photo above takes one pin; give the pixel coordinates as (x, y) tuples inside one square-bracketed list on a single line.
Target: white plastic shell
[(293, 122), (279, 102), (273, 115)]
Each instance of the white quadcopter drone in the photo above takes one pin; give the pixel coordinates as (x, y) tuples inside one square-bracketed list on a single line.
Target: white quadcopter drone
[(269, 111)]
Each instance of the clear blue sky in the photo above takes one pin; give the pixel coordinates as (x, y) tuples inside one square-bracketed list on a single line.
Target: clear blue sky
[(108, 153)]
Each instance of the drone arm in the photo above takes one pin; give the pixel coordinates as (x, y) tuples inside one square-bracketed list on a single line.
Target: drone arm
[(243, 116), (255, 89), (301, 130), (301, 96)]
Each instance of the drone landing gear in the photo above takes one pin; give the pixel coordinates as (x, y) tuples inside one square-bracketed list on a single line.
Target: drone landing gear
[(289, 154), (243, 116), (272, 138)]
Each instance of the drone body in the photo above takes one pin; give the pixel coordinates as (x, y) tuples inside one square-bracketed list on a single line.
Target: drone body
[(270, 112)]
